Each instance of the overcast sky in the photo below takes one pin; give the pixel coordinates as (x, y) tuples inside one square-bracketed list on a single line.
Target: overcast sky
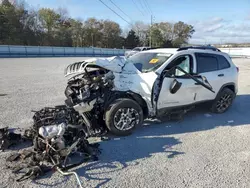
[(215, 21)]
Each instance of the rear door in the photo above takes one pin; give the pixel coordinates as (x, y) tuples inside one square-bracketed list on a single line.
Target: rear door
[(216, 69)]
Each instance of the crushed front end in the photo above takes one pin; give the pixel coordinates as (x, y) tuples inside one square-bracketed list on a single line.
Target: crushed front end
[(88, 91)]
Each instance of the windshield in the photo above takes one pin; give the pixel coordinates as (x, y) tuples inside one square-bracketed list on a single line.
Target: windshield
[(136, 49), (146, 62)]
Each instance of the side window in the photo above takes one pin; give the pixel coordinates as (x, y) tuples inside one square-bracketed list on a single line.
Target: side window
[(183, 62), (206, 63), (223, 62)]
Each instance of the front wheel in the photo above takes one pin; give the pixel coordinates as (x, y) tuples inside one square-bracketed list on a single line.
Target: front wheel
[(123, 116), (223, 101)]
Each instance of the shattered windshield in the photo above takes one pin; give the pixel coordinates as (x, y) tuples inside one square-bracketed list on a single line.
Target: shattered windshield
[(146, 62)]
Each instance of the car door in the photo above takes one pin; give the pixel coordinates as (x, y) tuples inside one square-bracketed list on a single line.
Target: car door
[(187, 93), (216, 69)]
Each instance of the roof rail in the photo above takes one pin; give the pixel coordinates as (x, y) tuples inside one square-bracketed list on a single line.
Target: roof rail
[(199, 47)]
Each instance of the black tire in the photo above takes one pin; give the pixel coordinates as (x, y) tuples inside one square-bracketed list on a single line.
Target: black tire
[(226, 96), (111, 116)]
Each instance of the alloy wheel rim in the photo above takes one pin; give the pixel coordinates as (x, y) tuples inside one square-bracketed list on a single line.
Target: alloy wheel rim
[(224, 102), (126, 118)]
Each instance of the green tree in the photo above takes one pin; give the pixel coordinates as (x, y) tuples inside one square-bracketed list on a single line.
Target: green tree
[(10, 25), (166, 30), (92, 32), (157, 38), (22, 26), (63, 31), (132, 40), (49, 20), (111, 34), (77, 32), (181, 33)]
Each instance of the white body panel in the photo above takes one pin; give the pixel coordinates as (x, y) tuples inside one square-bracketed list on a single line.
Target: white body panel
[(184, 96), (141, 83)]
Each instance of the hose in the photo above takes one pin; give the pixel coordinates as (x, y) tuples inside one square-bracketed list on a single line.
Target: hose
[(67, 173), (70, 173)]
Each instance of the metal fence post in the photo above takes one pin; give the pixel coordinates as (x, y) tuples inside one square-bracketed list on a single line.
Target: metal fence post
[(26, 51), (52, 48), (9, 50)]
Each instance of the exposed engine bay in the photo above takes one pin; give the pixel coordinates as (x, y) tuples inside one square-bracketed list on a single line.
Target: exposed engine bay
[(87, 93)]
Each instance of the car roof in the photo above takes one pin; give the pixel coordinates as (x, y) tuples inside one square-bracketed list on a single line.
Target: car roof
[(161, 50), (175, 50)]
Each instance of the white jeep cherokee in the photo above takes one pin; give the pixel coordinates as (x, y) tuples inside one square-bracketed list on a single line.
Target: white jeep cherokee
[(117, 94)]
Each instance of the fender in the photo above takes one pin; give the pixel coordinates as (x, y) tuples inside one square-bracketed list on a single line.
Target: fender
[(127, 94), (228, 85)]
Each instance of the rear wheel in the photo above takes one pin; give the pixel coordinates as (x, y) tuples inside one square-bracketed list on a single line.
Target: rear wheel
[(223, 101), (123, 116)]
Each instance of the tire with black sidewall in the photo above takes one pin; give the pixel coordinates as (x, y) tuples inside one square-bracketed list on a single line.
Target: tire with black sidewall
[(224, 92), (112, 110)]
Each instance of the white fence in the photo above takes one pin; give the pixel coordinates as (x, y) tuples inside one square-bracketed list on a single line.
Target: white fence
[(237, 52), (48, 51)]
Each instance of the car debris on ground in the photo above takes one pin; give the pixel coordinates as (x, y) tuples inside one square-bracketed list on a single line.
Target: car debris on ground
[(55, 139), (8, 138)]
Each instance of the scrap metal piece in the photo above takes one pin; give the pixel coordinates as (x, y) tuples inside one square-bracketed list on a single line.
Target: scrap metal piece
[(33, 173), (8, 138), (13, 157), (29, 134), (26, 154)]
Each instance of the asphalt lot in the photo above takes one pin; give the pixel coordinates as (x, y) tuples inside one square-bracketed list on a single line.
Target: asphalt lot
[(203, 150)]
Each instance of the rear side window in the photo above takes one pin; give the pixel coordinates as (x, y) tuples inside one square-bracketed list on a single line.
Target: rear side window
[(206, 63), (223, 62)]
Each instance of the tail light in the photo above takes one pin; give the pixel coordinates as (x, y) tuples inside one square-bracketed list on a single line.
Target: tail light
[(237, 69)]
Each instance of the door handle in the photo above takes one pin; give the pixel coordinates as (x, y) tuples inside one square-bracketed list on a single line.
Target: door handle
[(220, 75)]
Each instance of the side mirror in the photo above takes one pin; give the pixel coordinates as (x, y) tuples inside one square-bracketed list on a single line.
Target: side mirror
[(175, 86)]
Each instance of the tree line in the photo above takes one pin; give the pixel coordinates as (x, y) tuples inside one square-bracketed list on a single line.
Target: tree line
[(48, 27)]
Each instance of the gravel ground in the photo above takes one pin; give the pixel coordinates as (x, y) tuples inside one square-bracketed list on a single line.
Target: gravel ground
[(203, 150)]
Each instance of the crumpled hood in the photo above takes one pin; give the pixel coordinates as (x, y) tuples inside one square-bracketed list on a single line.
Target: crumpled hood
[(116, 64)]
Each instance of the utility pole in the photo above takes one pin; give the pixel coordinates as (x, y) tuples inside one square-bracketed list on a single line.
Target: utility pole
[(150, 34)]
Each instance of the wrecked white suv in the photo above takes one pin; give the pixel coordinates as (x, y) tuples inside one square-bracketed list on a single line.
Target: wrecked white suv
[(116, 94)]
